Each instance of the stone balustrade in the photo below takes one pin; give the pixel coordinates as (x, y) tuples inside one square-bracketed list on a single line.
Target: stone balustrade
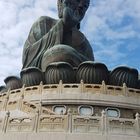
[(71, 124), (60, 88), (67, 93)]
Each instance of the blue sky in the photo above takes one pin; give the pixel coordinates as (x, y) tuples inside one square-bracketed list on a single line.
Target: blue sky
[(111, 26)]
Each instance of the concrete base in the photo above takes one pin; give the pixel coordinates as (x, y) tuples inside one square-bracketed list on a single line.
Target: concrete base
[(62, 136)]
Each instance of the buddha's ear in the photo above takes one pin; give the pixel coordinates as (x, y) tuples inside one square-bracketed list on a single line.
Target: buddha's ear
[(78, 26)]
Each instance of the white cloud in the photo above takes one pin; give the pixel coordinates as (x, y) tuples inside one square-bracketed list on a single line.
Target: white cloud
[(102, 24), (15, 23), (111, 23)]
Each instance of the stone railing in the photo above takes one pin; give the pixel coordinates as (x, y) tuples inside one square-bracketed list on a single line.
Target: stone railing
[(53, 123), (42, 90), (71, 124), (87, 124), (20, 125)]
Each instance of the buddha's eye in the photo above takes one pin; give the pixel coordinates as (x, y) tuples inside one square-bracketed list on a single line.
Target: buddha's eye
[(86, 6)]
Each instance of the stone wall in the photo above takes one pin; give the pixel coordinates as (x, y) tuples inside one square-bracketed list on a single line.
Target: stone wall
[(37, 122)]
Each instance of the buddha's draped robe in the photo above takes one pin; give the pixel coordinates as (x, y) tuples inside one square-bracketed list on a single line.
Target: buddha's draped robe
[(43, 45)]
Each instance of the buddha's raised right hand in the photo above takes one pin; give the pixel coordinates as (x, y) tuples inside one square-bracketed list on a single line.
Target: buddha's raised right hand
[(73, 12)]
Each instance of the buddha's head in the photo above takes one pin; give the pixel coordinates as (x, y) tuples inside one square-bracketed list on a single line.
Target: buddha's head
[(78, 6)]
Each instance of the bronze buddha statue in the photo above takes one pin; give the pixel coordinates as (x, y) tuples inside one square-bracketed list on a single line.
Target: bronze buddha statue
[(52, 40)]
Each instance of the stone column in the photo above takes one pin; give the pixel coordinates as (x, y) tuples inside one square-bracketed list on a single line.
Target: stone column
[(36, 121), (60, 87), (23, 90), (69, 125), (20, 101), (104, 91), (5, 102), (137, 124), (125, 90), (104, 123), (41, 88), (5, 122), (82, 86)]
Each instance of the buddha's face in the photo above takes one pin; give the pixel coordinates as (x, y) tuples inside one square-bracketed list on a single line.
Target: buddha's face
[(77, 8)]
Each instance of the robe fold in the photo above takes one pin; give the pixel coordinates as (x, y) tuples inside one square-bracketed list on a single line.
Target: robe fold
[(41, 48)]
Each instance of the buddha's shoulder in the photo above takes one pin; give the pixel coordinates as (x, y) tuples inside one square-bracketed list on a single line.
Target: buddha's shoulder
[(46, 19), (42, 25)]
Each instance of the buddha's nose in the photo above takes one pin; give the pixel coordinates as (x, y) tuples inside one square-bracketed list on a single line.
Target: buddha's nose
[(80, 6)]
